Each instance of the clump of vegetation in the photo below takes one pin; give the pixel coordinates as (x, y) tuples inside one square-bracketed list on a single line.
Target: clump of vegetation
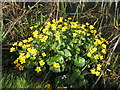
[(62, 46), (61, 49)]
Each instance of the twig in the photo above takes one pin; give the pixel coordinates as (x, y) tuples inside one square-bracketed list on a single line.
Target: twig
[(113, 49), (12, 25), (97, 81), (114, 38), (57, 10)]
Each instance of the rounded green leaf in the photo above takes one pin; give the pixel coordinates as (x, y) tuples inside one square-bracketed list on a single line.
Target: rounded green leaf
[(79, 62), (67, 52)]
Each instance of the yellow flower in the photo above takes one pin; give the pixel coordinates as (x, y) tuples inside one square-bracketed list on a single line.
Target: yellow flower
[(53, 21), (60, 88), (65, 23), (103, 40), (88, 34), (78, 31), (48, 23), (93, 50), (61, 19), (29, 50), (16, 61), (96, 57), (106, 42), (47, 86), (92, 71), (51, 67), (85, 29), (64, 28), (20, 44), (98, 68), (27, 45), (33, 58), (30, 39), (21, 67), (25, 41), (22, 54), (53, 26), (63, 65), (57, 37), (41, 63), (101, 57), (83, 32), (93, 31), (22, 60), (27, 55), (83, 26), (89, 54), (66, 60), (32, 51), (17, 65), (38, 86), (12, 49), (104, 46), (98, 41), (76, 22), (59, 26), (95, 43), (35, 34), (69, 18), (104, 51), (43, 54), (57, 33), (74, 34), (91, 27), (99, 65), (75, 41), (23, 46), (36, 26), (40, 36), (48, 26), (97, 73), (34, 54), (48, 33), (38, 69), (44, 30), (15, 44), (29, 62), (44, 39), (31, 27), (87, 23), (56, 65)]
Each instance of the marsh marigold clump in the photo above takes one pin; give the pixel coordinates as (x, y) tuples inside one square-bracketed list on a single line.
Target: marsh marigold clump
[(62, 46)]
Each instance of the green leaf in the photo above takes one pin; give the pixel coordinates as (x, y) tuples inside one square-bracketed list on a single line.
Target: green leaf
[(67, 53), (54, 46), (81, 77), (56, 70), (57, 58), (61, 52), (78, 49), (64, 37), (83, 39), (68, 47), (79, 62), (76, 73)]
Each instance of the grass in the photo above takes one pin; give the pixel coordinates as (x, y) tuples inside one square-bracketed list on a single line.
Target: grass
[(105, 16), (16, 81)]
